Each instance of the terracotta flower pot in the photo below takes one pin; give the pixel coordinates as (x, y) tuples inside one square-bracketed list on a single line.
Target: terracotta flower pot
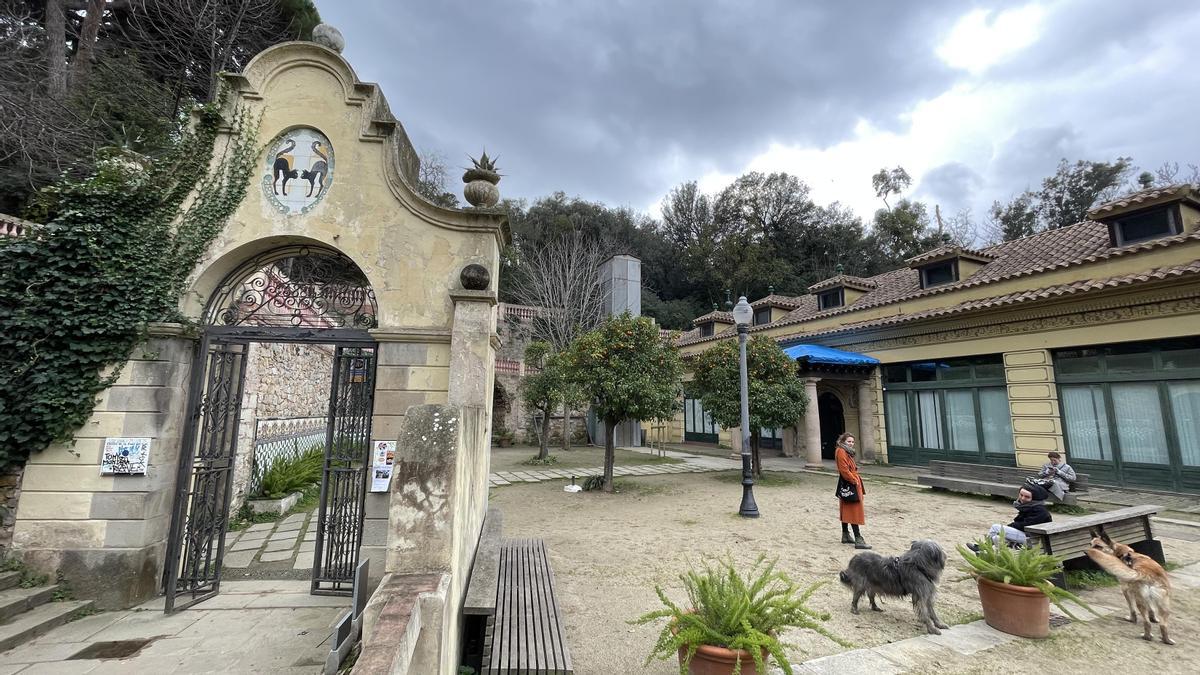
[(710, 660), (1016, 610)]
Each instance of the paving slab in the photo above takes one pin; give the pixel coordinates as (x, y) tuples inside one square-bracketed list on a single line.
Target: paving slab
[(239, 559), (276, 556), (247, 545), (304, 561), (295, 518), (63, 667), (284, 545), (290, 527), (136, 625), (969, 638), (256, 586), (913, 653), (307, 546), (856, 662), (290, 600), (259, 527), (311, 535), (37, 652)]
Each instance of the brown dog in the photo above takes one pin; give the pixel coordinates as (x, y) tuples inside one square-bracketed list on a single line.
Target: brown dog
[(1144, 582)]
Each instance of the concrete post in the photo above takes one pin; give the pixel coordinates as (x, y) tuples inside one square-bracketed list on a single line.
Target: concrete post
[(866, 421), (621, 279), (812, 425)]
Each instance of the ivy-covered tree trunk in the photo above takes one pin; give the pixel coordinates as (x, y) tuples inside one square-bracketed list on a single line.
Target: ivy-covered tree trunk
[(610, 453), (755, 457), (566, 429), (544, 451)]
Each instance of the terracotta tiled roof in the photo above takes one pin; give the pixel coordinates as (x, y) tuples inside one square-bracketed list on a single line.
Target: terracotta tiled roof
[(948, 251), (1142, 197), (857, 283), (1059, 290), (781, 301), (719, 317), (1069, 246)]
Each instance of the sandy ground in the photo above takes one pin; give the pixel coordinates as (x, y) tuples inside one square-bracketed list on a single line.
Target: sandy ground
[(609, 551)]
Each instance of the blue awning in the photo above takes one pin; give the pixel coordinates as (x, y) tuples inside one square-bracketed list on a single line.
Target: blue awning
[(816, 354)]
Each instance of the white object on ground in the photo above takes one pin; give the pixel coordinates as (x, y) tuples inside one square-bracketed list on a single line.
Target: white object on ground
[(572, 488)]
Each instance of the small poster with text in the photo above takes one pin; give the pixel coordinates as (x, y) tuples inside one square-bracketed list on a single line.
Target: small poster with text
[(125, 456), (383, 454)]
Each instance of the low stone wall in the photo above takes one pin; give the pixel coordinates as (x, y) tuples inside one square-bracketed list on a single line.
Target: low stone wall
[(10, 494)]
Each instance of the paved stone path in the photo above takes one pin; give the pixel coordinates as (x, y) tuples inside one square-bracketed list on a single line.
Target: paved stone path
[(267, 626), (690, 464), (286, 544)]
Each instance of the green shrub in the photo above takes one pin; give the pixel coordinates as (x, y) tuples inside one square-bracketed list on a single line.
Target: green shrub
[(1020, 567), (288, 475), (728, 610)]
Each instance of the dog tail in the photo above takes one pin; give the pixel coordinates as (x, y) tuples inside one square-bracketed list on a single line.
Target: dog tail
[(843, 577)]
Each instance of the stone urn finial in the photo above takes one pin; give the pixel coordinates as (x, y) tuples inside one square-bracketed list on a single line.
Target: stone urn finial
[(328, 36), (481, 182)]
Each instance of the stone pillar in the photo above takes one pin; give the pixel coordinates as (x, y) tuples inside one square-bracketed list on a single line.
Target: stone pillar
[(866, 421), (107, 533), (791, 441), (1033, 402), (812, 425)]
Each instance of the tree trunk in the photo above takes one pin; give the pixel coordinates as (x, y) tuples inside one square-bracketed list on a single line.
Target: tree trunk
[(545, 439), (87, 45), (56, 47), (566, 429), (610, 453), (755, 458)]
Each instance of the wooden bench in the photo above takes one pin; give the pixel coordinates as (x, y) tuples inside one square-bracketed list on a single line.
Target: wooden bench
[(528, 634), (986, 479), (511, 619), (1071, 537)]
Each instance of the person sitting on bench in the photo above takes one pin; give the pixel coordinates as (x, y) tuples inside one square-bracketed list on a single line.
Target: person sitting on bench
[(1055, 476), (1031, 510)]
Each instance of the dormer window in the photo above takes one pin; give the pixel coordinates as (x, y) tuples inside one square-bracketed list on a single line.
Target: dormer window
[(1144, 226), (938, 274), (762, 316), (831, 299), (706, 329)]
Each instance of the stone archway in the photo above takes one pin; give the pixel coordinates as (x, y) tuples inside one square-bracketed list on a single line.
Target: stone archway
[(833, 421)]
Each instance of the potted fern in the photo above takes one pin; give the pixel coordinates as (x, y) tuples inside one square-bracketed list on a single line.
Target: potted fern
[(1015, 588), (731, 623)]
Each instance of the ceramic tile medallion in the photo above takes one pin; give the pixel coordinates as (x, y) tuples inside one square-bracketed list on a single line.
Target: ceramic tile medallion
[(299, 170)]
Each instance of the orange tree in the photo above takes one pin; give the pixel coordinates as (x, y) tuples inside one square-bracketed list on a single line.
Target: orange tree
[(628, 372), (777, 397)]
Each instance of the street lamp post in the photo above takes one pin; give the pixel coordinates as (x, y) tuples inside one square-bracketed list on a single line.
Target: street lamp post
[(742, 314)]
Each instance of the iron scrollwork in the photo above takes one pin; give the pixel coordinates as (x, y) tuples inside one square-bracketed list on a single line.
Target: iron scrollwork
[(295, 287)]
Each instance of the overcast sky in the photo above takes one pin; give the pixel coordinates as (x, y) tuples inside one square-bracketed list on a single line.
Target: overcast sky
[(618, 101)]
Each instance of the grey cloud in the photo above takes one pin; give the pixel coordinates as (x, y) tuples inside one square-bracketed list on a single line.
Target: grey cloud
[(952, 185)]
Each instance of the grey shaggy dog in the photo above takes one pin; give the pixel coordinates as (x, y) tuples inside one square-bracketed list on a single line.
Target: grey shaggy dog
[(915, 574)]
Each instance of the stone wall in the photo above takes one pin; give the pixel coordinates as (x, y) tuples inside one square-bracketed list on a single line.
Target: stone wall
[(283, 380), (107, 533), (10, 495)]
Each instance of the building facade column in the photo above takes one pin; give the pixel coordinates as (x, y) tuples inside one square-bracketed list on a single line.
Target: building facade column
[(1033, 403), (812, 425), (866, 421)]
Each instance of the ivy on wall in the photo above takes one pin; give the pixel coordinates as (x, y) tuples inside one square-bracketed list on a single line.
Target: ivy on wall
[(77, 294)]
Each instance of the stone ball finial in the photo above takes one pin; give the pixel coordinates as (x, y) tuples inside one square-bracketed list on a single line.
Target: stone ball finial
[(328, 36), (475, 277)]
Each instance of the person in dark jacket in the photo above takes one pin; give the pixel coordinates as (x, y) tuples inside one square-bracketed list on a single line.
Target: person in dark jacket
[(1031, 510)]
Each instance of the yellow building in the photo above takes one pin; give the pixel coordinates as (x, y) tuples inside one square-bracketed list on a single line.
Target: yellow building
[(1084, 340)]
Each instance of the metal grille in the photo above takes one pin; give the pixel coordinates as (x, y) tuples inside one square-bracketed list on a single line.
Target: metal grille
[(283, 439), (202, 510), (343, 482)]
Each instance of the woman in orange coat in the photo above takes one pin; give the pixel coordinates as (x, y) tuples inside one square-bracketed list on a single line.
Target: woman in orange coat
[(851, 510)]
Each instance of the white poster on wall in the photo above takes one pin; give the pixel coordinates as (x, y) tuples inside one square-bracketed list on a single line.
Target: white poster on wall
[(125, 456), (383, 453)]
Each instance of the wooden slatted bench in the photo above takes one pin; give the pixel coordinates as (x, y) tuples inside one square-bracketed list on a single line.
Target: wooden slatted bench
[(479, 604), (528, 634), (1071, 537), (986, 479)]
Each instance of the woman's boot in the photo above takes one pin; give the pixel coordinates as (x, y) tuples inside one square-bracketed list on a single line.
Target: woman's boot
[(846, 538), (859, 542)]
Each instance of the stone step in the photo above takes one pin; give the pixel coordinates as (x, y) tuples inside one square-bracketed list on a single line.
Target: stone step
[(13, 601), (38, 621), (9, 580)]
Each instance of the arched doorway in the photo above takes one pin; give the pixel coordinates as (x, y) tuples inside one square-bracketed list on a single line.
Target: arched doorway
[(833, 422), (294, 294)]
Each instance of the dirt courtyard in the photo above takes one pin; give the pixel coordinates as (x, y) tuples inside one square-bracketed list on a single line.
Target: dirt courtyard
[(609, 551)]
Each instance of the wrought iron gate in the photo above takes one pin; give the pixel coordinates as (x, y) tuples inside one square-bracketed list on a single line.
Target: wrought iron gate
[(205, 483), (344, 480)]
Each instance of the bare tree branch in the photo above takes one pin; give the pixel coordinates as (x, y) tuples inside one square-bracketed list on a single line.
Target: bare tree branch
[(563, 278)]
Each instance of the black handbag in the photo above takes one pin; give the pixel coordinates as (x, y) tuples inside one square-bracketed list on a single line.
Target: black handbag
[(846, 491)]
